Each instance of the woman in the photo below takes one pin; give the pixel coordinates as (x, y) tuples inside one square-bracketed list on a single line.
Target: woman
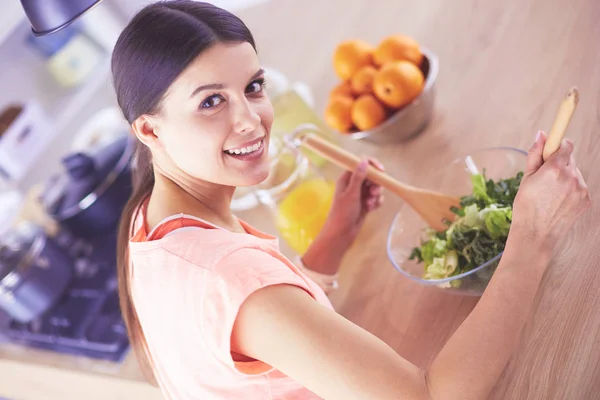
[(212, 308)]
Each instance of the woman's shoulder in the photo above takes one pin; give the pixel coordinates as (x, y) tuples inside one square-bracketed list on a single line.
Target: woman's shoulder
[(203, 247), (193, 239)]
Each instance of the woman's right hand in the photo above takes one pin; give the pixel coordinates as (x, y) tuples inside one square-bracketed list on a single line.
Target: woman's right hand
[(552, 196)]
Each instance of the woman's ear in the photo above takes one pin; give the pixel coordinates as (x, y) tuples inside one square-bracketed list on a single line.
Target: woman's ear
[(145, 129)]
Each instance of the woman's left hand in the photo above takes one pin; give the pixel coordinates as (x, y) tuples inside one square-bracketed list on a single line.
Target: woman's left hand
[(354, 198)]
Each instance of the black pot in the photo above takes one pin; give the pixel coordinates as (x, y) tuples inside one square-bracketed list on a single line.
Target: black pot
[(88, 200), (34, 272)]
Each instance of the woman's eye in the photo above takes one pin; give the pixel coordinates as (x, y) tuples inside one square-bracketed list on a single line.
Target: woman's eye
[(212, 101), (256, 86)]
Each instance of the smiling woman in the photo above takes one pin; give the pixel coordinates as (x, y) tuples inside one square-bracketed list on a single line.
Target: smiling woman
[(213, 309), (212, 98), (189, 81)]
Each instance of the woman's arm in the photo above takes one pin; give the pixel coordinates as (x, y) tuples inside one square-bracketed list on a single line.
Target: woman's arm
[(471, 362), (284, 327)]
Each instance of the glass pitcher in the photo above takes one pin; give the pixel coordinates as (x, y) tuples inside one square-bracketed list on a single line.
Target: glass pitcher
[(297, 194)]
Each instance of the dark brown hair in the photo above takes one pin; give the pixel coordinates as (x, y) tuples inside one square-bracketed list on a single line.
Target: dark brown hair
[(159, 42)]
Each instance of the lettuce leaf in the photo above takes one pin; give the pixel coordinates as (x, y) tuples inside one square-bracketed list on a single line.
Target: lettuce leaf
[(504, 191), (472, 217), (442, 267), (480, 189), (432, 249), (478, 234), (497, 220)]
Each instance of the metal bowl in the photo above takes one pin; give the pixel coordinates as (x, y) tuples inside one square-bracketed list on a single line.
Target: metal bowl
[(411, 119)]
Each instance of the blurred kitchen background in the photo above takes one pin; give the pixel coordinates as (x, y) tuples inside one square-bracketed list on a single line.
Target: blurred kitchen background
[(61, 82), (65, 159)]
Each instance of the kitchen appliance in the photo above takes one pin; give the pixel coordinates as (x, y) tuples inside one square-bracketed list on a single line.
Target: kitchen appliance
[(89, 197), (34, 272), (87, 200), (69, 55), (49, 16), (86, 319), (25, 132)]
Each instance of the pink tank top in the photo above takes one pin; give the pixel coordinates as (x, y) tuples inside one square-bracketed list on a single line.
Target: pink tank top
[(189, 279)]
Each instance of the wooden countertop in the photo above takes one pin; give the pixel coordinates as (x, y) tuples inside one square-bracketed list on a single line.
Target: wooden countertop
[(30, 374), (504, 66)]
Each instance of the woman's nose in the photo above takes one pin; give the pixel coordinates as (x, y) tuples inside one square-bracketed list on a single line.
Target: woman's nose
[(245, 118)]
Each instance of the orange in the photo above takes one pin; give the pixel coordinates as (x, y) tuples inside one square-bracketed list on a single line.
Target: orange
[(362, 80), (349, 56), (338, 113), (396, 48), (342, 89), (367, 112), (398, 83)]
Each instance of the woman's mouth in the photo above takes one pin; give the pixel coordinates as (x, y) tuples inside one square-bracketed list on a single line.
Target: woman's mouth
[(248, 153)]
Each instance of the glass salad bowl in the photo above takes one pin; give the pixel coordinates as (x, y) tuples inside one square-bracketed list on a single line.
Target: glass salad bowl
[(462, 271)]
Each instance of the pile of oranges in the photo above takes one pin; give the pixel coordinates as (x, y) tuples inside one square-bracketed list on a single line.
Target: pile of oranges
[(375, 82)]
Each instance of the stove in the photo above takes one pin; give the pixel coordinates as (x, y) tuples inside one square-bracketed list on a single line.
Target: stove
[(86, 320)]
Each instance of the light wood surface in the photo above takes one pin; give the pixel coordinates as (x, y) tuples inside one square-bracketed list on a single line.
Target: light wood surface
[(504, 69), (21, 381)]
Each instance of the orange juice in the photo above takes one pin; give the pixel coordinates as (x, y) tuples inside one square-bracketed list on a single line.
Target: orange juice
[(302, 213)]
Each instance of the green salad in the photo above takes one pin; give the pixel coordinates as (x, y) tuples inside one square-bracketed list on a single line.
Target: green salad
[(477, 235)]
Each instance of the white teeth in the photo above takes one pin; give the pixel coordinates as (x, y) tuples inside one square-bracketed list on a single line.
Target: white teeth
[(245, 150)]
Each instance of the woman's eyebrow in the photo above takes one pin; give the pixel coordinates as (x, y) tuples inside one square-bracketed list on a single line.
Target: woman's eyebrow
[(257, 74), (212, 86), (218, 86)]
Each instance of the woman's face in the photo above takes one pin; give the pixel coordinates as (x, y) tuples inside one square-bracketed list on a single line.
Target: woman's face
[(215, 119)]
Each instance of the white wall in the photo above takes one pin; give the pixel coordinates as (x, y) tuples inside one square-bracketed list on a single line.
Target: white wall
[(129, 7)]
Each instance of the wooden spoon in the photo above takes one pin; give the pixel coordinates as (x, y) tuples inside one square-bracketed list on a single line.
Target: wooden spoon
[(559, 127), (432, 206)]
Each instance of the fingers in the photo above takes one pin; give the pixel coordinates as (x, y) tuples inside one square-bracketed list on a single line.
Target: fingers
[(374, 162), (580, 179), (371, 203), (372, 195), (563, 154), (358, 177), (355, 183), (343, 181), (374, 190), (535, 156)]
